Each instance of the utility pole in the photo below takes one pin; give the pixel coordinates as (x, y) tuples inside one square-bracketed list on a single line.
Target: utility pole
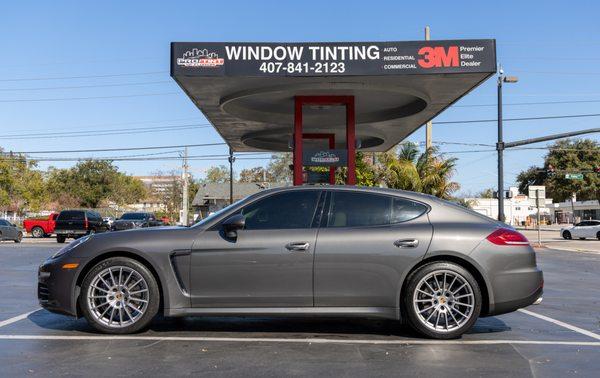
[(428, 127), (231, 160), (184, 213), (500, 149)]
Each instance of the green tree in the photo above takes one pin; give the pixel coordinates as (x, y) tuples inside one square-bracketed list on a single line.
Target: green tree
[(566, 156), (426, 172), (219, 174), (486, 193), (256, 174), (92, 182), (279, 167), (21, 185)]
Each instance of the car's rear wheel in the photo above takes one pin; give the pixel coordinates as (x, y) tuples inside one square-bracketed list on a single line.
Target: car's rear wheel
[(60, 238), (19, 237), (567, 235), (598, 235), (442, 300), (37, 232), (119, 295)]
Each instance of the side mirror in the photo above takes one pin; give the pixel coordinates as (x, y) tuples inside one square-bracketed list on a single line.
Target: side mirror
[(232, 224)]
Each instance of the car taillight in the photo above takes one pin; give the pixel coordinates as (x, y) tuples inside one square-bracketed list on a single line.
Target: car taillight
[(85, 224), (506, 236)]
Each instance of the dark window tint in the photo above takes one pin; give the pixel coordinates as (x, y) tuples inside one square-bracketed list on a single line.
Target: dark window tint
[(71, 215), (3, 222), (282, 211), (404, 210), (350, 209)]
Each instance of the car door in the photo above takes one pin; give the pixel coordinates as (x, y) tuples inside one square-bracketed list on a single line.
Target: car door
[(365, 246), (591, 229), (578, 230), (268, 264)]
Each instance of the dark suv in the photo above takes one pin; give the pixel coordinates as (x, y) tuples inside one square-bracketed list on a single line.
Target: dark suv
[(76, 223), (135, 220)]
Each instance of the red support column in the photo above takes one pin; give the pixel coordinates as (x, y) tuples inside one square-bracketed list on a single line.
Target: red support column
[(351, 141), (297, 160)]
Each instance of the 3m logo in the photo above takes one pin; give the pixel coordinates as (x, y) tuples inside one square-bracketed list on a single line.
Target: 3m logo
[(438, 57)]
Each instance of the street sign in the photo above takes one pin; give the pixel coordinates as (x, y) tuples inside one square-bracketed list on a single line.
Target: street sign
[(537, 192), (574, 176)]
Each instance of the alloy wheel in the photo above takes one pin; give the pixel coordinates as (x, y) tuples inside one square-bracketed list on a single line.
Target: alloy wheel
[(118, 296), (444, 301)]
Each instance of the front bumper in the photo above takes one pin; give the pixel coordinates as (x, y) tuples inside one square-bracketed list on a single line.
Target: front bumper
[(57, 290)]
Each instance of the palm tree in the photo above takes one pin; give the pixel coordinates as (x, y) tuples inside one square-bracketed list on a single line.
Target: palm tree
[(427, 172)]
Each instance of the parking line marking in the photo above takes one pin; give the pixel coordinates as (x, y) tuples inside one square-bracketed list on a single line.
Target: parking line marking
[(297, 341), (17, 318), (562, 324)]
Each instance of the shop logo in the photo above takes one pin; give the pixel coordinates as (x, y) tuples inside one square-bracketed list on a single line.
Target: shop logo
[(437, 57), (200, 58), (325, 157)]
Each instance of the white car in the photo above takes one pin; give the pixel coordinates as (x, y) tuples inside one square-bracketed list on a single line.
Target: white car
[(582, 230)]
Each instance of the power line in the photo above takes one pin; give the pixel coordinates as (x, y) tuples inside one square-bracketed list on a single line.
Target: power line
[(528, 103), (97, 125), (95, 133), (89, 98), (520, 119), (117, 149), (85, 76), (84, 86)]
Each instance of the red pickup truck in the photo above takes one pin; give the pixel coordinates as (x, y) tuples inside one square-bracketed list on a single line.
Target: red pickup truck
[(40, 227)]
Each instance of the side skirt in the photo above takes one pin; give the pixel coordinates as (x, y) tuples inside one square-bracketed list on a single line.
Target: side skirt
[(358, 312)]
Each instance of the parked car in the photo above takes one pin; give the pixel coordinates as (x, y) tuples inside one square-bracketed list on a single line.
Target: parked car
[(40, 227), (77, 223), (303, 251), (582, 230), (135, 220), (10, 231), (108, 220)]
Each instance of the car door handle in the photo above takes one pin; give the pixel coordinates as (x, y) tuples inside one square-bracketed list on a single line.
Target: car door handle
[(406, 243), (297, 246)]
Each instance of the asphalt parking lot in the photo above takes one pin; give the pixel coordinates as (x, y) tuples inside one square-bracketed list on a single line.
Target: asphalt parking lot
[(559, 337)]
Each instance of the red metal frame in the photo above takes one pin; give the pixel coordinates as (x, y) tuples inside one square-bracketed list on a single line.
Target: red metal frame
[(348, 102)]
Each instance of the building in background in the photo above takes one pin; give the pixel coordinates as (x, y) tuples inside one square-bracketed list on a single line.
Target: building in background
[(563, 212), (519, 210), (213, 197)]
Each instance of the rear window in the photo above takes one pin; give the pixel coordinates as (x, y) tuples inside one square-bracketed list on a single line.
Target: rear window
[(71, 215), (351, 209)]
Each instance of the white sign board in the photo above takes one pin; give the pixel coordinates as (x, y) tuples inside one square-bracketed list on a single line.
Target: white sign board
[(537, 192)]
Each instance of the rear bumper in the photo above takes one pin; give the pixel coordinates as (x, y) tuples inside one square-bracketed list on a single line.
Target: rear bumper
[(71, 232)]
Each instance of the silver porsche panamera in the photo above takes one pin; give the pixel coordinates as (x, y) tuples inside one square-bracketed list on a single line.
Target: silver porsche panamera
[(302, 251)]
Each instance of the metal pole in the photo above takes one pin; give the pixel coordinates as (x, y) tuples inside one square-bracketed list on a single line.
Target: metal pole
[(500, 148), (184, 213), (429, 125), (231, 160), (537, 203)]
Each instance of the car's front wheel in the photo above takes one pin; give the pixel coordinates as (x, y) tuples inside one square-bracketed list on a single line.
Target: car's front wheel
[(119, 295), (442, 300), (567, 235)]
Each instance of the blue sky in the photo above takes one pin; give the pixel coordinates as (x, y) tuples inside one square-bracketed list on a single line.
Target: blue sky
[(553, 48)]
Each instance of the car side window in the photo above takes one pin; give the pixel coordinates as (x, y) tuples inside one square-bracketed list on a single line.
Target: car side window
[(351, 209), (3, 222), (404, 210), (288, 210), (71, 215)]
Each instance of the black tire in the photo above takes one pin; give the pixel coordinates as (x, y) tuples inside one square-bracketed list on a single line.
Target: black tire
[(153, 296), (60, 238), (411, 313), (581, 238), (19, 237), (567, 235), (37, 232), (598, 235)]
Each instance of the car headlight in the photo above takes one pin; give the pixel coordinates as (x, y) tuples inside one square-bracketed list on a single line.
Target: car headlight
[(71, 246)]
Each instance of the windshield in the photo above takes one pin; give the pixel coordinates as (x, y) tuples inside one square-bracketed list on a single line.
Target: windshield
[(215, 214), (131, 216)]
